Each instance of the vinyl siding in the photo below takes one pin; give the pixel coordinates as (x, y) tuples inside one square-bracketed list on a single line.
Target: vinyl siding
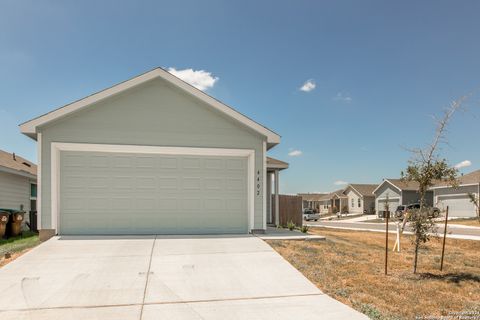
[(409, 197), (155, 113), (352, 195), (382, 192), (14, 192)]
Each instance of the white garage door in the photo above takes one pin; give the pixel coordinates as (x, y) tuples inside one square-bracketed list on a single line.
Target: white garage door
[(125, 193), (392, 205), (458, 206)]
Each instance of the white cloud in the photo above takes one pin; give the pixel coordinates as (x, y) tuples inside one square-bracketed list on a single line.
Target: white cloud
[(200, 79), (343, 97), (295, 153), (340, 183), (308, 86), (463, 164)]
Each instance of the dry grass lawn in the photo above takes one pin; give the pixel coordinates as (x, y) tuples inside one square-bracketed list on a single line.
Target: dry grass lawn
[(466, 222), (349, 266)]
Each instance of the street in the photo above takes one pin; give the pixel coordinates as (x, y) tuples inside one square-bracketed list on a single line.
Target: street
[(453, 231)]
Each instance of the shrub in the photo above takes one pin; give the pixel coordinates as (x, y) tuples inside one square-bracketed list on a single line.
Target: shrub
[(290, 225), (304, 229)]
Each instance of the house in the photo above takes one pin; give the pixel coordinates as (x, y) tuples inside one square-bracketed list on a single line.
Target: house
[(456, 198), (312, 200), (151, 155), (332, 202), (360, 198), (395, 192), (18, 183)]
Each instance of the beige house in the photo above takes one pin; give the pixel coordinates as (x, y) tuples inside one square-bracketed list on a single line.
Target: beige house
[(324, 203), (360, 198), (313, 200)]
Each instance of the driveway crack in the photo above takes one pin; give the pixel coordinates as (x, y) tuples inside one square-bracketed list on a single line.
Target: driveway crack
[(147, 278)]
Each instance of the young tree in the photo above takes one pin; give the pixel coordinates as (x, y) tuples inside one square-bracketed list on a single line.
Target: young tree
[(476, 202), (427, 167)]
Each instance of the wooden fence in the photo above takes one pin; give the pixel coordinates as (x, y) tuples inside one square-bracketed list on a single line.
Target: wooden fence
[(290, 209)]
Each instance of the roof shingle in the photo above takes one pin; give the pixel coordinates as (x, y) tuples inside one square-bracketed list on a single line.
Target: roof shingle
[(17, 163)]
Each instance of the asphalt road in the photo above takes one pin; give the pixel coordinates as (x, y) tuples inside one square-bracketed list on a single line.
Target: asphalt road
[(452, 231)]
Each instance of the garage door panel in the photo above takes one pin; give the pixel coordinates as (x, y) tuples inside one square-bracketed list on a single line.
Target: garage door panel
[(108, 193), (458, 206), (392, 204)]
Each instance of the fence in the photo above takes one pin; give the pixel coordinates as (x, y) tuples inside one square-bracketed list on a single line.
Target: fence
[(290, 209)]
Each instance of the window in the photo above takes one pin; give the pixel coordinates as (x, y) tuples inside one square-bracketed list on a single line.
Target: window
[(33, 190), (353, 202), (359, 202)]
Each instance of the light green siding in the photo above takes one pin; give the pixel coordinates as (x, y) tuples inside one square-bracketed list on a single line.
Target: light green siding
[(155, 113)]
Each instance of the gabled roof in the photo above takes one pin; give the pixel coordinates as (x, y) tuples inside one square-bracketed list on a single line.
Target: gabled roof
[(339, 193), (13, 163), (363, 189), (400, 185), (29, 128), (467, 179), (273, 163)]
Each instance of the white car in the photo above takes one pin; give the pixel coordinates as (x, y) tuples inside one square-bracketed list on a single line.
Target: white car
[(309, 215)]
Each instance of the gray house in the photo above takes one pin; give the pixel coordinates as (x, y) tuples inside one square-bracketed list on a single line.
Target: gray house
[(397, 192), (457, 198), (151, 155), (18, 183)]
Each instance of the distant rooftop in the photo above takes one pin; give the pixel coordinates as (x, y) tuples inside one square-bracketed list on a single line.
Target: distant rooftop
[(14, 162)]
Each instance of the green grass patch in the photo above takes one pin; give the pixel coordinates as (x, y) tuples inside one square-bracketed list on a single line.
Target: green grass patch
[(28, 239)]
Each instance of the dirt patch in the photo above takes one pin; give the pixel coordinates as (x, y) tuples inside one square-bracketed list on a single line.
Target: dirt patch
[(13, 256), (349, 266)]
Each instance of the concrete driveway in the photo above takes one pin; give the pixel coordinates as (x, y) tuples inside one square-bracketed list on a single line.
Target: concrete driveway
[(159, 277)]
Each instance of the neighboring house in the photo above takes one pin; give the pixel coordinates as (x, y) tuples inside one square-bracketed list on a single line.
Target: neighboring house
[(151, 155), (360, 198), (18, 183), (398, 192), (312, 200), (332, 202), (456, 198)]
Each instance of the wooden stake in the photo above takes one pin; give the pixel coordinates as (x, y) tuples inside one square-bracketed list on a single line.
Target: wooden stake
[(386, 240), (444, 238), (397, 241)]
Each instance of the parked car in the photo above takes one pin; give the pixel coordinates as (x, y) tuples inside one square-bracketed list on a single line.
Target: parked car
[(309, 214), (400, 211)]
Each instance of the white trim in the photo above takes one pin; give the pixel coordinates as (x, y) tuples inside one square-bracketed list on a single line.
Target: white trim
[(29, 127), (39, 181), (356, 191), (386, 180), (264, 186), (453, 195), (56, 147), (389, 198), (456, 187)]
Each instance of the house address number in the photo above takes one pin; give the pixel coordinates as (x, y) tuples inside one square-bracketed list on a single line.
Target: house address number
[(258, 183)]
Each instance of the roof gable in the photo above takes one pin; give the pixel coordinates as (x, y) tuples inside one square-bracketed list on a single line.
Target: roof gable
[(362, 189), (399, 184), (29, 128)]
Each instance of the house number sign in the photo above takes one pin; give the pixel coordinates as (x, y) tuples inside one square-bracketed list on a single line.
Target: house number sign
[(258, 182)]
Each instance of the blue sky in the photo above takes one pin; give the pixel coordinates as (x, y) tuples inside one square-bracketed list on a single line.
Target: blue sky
[(381, 70)]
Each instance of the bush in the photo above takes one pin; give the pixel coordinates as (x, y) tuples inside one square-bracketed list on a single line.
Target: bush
[(290, 225), (304, 229)]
